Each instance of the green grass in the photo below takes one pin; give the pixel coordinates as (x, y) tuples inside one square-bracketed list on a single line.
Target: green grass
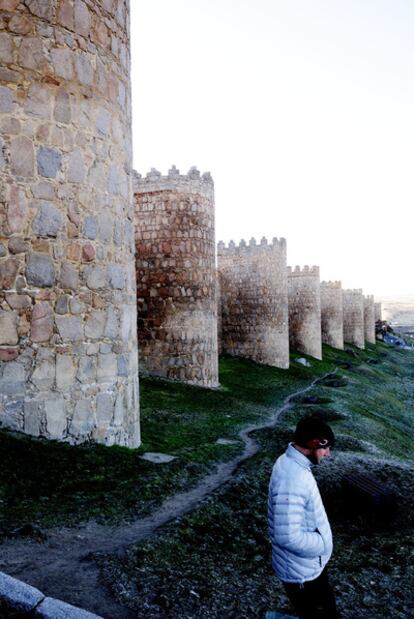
[(369, 409)]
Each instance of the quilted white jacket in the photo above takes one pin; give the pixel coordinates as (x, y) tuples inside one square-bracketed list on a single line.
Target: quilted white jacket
[(298, 525)]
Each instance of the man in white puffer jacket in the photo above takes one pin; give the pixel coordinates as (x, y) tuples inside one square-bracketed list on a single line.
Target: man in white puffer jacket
[(299, 528)]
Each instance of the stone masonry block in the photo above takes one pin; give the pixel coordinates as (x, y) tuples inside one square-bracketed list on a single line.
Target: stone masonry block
[(48, 161), (69, 276), (16, 210), (22, 156), (19, 596), (48, 220), (83, 420), (95, 324), (41, 327), (40, 270), (65, 372), (56, 609), (8, 327), (55, 415), (8, 272), (70, 328), (6, 99)]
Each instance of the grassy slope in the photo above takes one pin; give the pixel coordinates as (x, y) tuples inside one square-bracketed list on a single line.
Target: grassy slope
[(50, 483), (370, 409)]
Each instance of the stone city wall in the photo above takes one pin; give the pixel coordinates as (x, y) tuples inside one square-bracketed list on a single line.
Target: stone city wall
[(68, 345), (332, 314), (369, 319), (176, 276), (354, 330), (378, 311), (305, 311), (254, 310)]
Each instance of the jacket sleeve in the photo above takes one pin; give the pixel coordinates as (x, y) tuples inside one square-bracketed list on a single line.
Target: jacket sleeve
[(288, 523)]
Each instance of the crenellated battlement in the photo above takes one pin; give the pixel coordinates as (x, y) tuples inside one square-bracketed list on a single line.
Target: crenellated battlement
[(331, 284), (192, 182), (369, 298), (305, 271), (232, 249), (353, 291)]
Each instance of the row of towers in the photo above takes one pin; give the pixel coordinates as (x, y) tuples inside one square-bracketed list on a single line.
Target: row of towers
[(249, 305)]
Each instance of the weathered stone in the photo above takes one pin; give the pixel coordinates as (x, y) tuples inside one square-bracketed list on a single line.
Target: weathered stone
[(84, 69), (87, 370), (120, 410), (20, 24), (32, 54), (69, 276), (9, 5), (95, 277), (65, 372), (44, 190), (105, 228), (116, 276), (41, 327), (82, 18), (157, 458), (62, 112), (43, 376), (104, 408), (62, 63), (107, 368), (2, 157), (112, 323), (33, 413), (77, 307), (90, 227), (103, 121), (76, 169), (8, 327), (50, 608), (88, 252), (38, 101), (6, 47), (48, 220), (48, 161), (18, 301), (22, 156), (6, 99), (40, 270), (13, 414), (3, 250), (16, 210), (12, 381), (122, 366), (18, 246), (40, 8), (73, 252), (105, 348), (65, 14), (70, 328), (8, 354), (95, 324), (83, 420), (8, 272), (10, 125), (18, 595), (62, 305), (55, 416)]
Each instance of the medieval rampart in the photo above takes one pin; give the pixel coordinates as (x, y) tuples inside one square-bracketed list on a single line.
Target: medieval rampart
[(68, 349), (254, 304), (332, 314), (369, 319), (305, 310), (176, 276), (354, 330), (378, 311)]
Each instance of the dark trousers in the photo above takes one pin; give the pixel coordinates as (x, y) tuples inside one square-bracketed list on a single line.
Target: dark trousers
[(314, 599)]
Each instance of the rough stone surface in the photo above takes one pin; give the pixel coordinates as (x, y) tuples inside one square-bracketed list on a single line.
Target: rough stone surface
[(378, 311), (176, 280), (253, 301), (369, 319), (67, 284), (18, 595), (354, 330), (332, 314), (157, 458), (40, 270), (50, 608), (304, 297)]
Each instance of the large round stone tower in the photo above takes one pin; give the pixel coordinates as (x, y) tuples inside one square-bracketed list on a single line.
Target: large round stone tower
[(254, 301), (176, 276), (304, 294), (68, 345), (354, 330), (332, 314)]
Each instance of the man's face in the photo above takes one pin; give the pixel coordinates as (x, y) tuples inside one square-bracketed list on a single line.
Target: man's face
[(321, 453)]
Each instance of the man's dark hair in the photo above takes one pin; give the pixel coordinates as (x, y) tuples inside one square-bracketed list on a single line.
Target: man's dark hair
[(313, 427)]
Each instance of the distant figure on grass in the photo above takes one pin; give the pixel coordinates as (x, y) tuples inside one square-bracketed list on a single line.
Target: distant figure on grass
[(299, 528)]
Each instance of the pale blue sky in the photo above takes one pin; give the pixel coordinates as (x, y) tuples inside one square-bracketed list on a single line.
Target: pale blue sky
[(302, 110)]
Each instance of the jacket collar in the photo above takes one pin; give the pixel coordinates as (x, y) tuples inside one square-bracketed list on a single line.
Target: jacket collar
[(296, 455)]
